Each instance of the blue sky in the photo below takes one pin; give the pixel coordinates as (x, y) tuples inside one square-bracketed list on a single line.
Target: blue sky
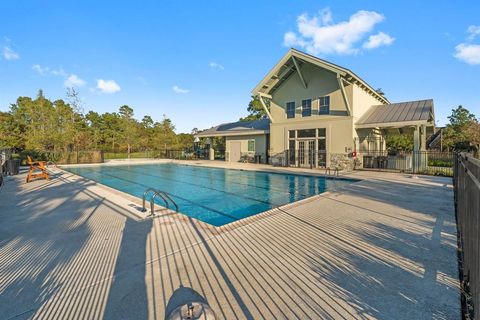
[(197, 61)]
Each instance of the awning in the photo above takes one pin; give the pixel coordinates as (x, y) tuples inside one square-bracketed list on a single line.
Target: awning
[(397, 115)]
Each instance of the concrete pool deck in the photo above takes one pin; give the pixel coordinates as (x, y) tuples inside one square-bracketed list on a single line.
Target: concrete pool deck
[(382, 248)]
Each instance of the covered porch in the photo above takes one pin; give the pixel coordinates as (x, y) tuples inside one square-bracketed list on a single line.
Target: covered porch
[(414, 118), (244, 141)]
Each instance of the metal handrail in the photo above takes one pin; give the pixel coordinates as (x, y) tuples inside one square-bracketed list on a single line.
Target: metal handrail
[(152, 202), (166, 195), (162, 194), (328, 171), (143, 198)]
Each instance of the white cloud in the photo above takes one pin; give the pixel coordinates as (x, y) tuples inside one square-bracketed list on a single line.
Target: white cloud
[(59, 72), (378, 40), (70, 80), (41, 70), (473, 31), (107, 86), (469, 53), (74, 81), (320, 35), (9, 54), (177, 89), (215, 65)]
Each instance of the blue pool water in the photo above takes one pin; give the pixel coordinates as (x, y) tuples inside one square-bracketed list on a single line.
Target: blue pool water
[(212, 195)]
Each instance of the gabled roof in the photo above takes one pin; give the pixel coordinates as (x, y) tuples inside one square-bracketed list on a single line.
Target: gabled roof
[(239, 128), (411, 112), (286, 67)]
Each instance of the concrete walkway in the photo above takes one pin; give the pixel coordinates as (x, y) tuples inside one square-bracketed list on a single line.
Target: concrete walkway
[(382, 248)]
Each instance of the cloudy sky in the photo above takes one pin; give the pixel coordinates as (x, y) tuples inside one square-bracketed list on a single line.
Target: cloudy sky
[(197, 62)]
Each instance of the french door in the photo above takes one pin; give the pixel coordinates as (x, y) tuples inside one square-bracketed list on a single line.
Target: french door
[(306, 153)]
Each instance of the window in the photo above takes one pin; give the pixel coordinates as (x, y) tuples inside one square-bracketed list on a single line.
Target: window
[(306, 133), (251, 145), (306, 108), (290, 109), (324, 105), (291, 134), (322, 132)]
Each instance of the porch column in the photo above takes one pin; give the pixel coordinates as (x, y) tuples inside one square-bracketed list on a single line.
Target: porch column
[(416, 139), (423, 137), (419, 149), (423, 148), (211, 153)]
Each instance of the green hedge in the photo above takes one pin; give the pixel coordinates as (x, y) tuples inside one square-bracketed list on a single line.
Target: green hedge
[(440, 162)]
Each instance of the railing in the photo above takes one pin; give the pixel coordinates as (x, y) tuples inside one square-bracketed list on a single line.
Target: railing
[(467, 208), (162, 194), (421, 162)]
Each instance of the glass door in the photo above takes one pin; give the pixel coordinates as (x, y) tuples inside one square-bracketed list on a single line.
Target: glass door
[(306, 153), (301, 153), (311, 153)]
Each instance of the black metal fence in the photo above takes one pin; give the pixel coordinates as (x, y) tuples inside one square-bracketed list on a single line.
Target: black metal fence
[(199, 154), (421, 162), (467, 208)]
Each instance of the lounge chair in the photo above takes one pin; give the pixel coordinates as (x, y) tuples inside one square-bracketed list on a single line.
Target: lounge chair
[(38, 169)]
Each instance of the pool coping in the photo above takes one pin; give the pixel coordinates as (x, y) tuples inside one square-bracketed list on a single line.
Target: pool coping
[(137, 202)]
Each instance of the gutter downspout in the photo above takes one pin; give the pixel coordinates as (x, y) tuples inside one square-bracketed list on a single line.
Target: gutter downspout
[(344, 93)]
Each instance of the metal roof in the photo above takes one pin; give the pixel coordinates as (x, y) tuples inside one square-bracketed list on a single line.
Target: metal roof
[(415, 112), (239, 128)]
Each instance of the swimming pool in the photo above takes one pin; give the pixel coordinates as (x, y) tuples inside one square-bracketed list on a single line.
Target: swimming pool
[(212, 195)]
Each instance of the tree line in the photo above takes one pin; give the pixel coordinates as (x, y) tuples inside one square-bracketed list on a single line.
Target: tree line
[(39, 124), (462, 133)]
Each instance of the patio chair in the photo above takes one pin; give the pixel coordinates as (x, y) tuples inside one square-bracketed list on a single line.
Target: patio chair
[(38, 169)]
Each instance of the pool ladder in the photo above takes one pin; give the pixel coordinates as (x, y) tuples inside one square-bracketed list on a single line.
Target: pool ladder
[(162, 194), (328, 172)]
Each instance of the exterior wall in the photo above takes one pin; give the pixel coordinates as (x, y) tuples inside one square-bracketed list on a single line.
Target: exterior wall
[(362, 101), (366, 139), (339, 132), (260, 145), (320, 82)]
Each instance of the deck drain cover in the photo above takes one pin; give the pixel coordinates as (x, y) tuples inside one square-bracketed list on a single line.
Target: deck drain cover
[(187, 304), (192, 311)]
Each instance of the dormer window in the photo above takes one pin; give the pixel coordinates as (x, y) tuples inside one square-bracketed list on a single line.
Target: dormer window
[(306, 108), (290, 110), (324, 105)]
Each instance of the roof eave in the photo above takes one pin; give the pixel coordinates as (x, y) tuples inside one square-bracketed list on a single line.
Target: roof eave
[(231, 134), (319, 62), (394, 124)]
